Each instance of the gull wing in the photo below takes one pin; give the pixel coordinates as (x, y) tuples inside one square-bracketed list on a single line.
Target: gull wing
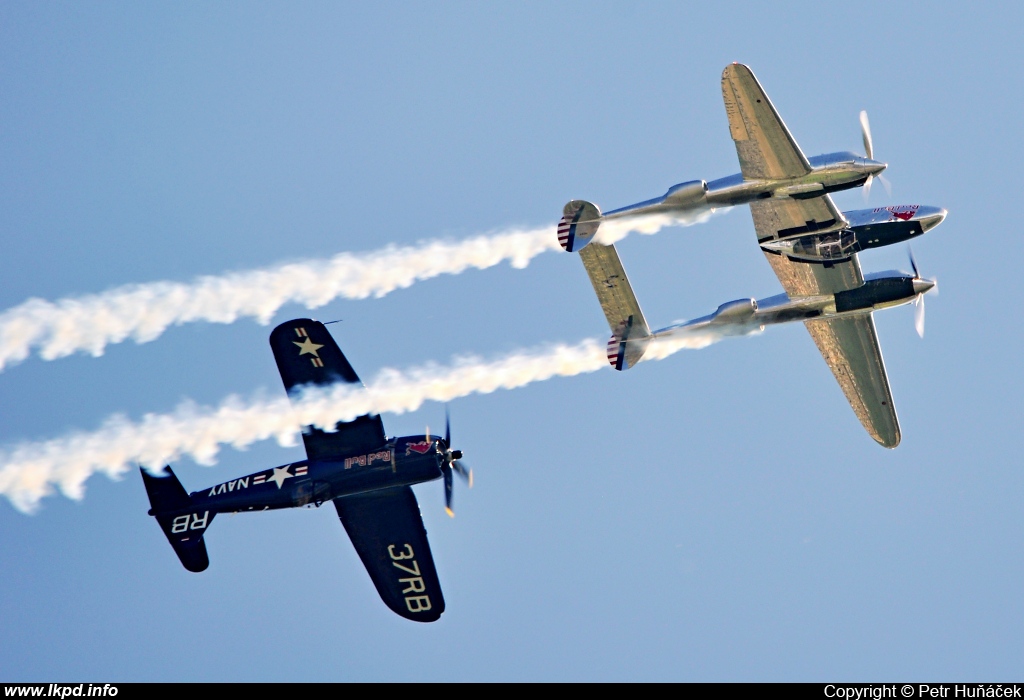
[(307, 354), (387, 531)]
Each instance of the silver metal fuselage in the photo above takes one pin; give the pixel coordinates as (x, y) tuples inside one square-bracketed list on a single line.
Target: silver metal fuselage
[(831, 172), (880, 291)]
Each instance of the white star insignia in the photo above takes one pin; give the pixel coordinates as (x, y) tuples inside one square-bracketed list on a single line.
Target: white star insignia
[(307, 346), (280, 474)]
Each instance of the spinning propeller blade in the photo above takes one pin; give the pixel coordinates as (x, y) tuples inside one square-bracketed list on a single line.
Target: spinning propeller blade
[(885, 183), (869, 151), (865, 132), (919, 315), (448, 493), (463, 471), (921, 287), (450, 463)]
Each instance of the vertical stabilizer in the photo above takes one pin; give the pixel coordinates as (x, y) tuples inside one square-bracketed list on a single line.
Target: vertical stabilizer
[(183, 524)]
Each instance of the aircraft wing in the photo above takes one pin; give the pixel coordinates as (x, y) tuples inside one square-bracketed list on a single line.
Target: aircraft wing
[(767, 150), (387, 531), (307, 354), (612, 286), (764, 145), (849, 345)]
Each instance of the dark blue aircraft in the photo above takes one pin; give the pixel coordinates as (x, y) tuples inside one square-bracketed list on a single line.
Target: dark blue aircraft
[(365, 474)]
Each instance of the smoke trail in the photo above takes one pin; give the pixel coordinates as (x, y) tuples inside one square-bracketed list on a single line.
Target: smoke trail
[(144, 311), (30, 471)]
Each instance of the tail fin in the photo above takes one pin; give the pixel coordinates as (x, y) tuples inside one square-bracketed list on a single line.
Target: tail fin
[(580, 220), (628, 343), (182, 524)]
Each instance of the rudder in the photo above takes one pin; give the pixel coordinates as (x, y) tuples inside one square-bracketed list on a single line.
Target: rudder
[(183, 525), (580, 221)]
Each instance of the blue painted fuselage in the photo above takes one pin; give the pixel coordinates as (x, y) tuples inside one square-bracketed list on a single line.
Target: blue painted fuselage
[(399, 462)]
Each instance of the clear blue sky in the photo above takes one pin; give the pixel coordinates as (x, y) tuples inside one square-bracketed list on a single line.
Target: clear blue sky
[(720, 515)]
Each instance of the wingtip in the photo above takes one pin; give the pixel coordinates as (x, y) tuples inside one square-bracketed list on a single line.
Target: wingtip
[(890, 442), (735, 66)]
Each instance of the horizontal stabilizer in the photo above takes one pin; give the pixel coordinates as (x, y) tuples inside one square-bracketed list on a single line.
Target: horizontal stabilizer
[(182, 524), (630, 332), (580, 220)]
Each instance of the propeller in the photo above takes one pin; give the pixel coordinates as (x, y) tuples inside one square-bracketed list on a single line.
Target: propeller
[(869, 151), (921, 287), (451, 463)]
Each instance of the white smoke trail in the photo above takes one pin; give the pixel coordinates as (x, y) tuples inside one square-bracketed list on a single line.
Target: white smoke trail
[(144, 311), (32, 470)]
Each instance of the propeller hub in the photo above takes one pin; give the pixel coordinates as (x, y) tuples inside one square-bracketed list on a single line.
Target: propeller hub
[(921, 286), (874, 167)]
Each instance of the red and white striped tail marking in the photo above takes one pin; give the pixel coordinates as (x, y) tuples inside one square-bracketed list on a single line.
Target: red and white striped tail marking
[(564, 227), (613, 347), (616, 347)]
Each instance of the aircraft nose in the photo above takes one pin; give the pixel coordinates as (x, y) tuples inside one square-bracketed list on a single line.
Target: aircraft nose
[(931, 218), (922, 285)]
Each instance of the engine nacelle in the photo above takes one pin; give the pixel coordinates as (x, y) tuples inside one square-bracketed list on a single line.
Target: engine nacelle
[(738, 311), (878, 293), (579, 224)]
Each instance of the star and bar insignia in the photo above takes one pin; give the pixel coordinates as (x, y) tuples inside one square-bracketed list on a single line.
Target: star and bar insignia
[(308, 347)]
